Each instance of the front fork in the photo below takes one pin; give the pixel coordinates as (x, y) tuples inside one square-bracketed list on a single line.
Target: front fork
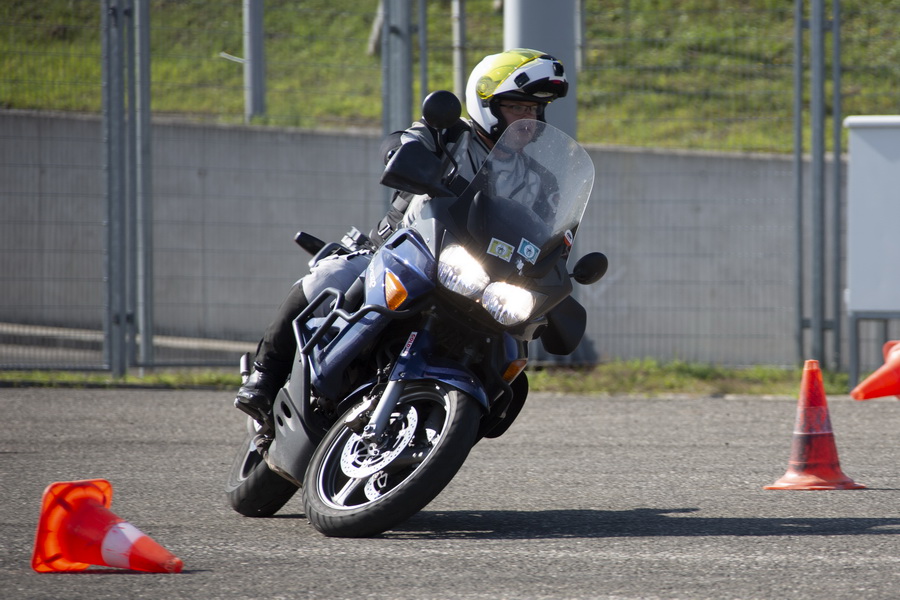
[(381, 416), (414, 363)]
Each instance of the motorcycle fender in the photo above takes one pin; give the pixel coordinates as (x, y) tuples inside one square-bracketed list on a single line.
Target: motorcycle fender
[(456, 376), (414, 364)]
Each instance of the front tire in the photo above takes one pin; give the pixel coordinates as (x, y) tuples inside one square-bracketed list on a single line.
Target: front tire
[(253, 489), (354, 490)]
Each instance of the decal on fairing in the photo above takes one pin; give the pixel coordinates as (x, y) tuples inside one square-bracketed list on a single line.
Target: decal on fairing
[(569, 238), (409, 343), (501, 249), (529, 251)]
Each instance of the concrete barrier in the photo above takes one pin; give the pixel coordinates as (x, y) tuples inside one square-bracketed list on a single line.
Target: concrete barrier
[(701, 245)]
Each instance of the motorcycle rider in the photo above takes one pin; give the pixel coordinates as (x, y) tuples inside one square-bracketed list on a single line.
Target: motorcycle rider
[(502, 88)]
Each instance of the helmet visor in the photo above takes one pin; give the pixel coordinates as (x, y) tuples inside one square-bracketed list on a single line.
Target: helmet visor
[(497, 68)]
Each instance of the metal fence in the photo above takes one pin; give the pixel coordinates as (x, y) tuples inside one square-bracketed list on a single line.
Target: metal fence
[(700, 76)]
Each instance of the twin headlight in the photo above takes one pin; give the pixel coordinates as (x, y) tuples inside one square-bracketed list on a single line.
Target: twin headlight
[(460, 272)]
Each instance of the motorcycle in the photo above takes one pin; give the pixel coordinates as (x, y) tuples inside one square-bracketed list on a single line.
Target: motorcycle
[(397, 379)]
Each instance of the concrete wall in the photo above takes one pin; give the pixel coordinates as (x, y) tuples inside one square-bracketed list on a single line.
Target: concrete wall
[(228, 202), (51, 228), (701, 246), (701, 257)]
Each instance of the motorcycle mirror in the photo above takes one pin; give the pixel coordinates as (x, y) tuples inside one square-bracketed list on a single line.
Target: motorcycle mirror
[(441, 109), (590, 268)]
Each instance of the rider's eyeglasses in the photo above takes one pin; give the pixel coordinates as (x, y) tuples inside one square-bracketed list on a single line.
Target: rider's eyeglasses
[(520, 110)]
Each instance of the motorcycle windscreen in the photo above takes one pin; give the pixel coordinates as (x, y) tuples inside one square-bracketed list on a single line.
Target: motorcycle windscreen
[(530, 193)]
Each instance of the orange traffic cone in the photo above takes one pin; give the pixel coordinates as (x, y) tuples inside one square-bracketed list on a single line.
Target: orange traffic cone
[(886, 380), (76, 530), (814, 463)]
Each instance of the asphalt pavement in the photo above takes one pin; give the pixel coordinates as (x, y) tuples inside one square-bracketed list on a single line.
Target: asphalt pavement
[(585, 497)]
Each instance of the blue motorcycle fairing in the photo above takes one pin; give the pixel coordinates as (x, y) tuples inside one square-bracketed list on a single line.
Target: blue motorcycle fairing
[(417, 363), (406, 255), (330, 343), (295, 436), (298, 428)]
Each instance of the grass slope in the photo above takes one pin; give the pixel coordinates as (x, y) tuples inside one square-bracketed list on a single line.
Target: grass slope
[(639, 377), (704, 74)]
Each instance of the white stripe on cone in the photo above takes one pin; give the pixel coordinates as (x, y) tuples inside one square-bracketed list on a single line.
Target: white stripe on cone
[(117, 544)]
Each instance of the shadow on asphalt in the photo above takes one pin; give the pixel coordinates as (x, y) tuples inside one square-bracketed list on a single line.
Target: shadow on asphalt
[(641, 522)]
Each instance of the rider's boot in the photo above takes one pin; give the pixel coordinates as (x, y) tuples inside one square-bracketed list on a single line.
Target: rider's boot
[(257, 395), (273, 360)]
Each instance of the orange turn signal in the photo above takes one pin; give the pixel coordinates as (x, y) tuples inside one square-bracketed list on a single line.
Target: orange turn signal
[(394, 292), (514, 368)]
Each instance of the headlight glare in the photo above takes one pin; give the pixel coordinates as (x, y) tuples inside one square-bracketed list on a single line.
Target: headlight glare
[(459, 272), (508, 304)]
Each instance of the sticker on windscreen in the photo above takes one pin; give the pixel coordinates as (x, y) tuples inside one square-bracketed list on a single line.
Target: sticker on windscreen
[(501, 249), (529, 251)]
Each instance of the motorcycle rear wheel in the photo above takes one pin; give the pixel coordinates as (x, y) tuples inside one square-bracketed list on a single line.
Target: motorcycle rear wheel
[(253, 489), (352, 491)]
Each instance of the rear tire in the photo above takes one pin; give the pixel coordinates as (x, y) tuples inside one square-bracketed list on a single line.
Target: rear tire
[(351, 491), (253, 489)]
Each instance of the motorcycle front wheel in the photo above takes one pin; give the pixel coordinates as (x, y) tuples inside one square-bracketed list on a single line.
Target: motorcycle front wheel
[(355, 489), (253, 489)]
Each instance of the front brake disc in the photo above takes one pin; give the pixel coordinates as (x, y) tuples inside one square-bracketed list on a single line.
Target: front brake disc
[(359, 459)]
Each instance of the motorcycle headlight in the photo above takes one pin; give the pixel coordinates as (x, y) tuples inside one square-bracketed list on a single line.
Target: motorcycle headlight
[(509, 304), (460, 272)]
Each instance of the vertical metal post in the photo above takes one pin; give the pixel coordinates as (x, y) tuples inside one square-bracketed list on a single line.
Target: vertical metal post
[(837, 218), (396, 71), (458, 17), (114, 166), (130, 210), (853, 323), (798, 177), (423, 50), (144, 179), (549, 27), (254, 61), (397, 66), (385, 8), (817, 177), (579, 35), (106, 101)]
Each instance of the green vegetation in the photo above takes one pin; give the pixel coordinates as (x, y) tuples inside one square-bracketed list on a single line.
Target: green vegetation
[(174, 379), (640, 377), (649, 377), (703, 74), (693, 74)]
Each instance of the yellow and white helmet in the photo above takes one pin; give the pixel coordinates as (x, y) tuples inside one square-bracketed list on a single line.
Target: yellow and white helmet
[(517, 74)]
